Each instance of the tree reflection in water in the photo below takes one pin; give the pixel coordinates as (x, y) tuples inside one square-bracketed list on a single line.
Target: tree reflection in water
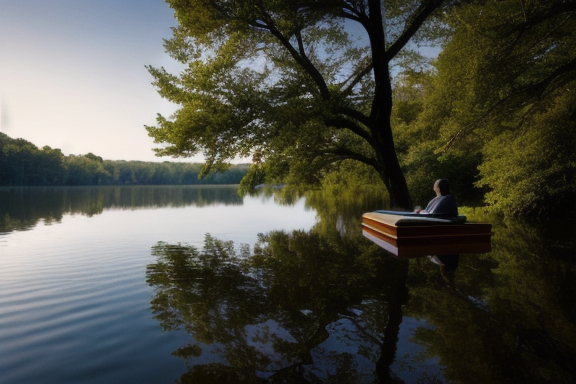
[(505, 318), (301, 308), (22, 208), (320, 307)]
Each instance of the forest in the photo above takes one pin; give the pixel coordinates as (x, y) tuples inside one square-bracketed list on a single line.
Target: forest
[(313, 88), (24, 164)]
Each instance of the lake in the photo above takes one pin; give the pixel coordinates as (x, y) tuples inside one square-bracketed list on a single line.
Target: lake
[(196, 284)]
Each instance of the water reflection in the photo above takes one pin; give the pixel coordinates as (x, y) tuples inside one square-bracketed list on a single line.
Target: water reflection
[(319, 307), (447, 264), (301, 308), (506, 317), (22, 208)]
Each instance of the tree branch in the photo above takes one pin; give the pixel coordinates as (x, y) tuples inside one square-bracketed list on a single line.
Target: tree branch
[(303, 61), (347, 124), (357, 78), (356, 115), (301, 45), (345, 153), (353, 13), (420, 15)]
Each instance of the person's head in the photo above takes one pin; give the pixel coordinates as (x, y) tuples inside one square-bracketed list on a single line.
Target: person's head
[(442, 187)]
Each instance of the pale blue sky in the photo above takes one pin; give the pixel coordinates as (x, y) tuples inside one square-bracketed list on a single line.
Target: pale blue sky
[(72, 74)]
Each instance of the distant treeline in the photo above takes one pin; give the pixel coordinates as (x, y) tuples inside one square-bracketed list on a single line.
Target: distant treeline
[(24, 164)]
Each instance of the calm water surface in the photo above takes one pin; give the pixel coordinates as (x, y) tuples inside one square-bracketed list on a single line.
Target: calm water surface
[(198, 285)]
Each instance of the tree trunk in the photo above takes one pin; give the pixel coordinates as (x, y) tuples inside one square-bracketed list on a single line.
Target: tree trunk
[(397, 297), (383, 144), (381, 111), (389, 168)]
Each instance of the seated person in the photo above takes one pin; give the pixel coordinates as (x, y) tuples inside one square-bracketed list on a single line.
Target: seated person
[(444, 203)]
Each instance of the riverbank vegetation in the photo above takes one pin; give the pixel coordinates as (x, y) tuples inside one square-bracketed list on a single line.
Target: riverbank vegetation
[(24, 164), (496, 111)]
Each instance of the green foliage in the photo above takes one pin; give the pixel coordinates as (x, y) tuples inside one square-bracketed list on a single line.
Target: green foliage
[(84, 170), (424, 165), (420, 118), (302, 85), (496, 117), (345, 194), (23, 164), (521, 69), (536, 175)]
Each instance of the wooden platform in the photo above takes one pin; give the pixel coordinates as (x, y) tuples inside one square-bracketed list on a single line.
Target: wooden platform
[(412, 235)]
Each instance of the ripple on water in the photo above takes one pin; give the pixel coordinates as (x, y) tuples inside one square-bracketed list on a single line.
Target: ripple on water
[(75, 318)]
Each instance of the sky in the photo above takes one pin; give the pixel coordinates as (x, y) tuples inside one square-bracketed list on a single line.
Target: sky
[(73, 76)]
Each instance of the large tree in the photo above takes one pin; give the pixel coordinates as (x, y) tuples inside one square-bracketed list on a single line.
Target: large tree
[(298, 84)]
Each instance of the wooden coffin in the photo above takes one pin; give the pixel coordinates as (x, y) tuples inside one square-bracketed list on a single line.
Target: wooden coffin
[(411, 235)]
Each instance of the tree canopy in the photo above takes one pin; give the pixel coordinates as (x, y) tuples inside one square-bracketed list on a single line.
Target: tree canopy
[(305, 86), (298, 85)]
